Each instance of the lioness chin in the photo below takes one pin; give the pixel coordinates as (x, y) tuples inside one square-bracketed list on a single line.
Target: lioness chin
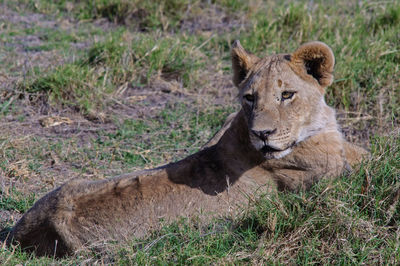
[(284, 137)]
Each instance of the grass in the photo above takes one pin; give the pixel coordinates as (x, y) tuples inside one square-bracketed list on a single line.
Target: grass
[(18, 202), (83, 85), (147, 83), (365, 46)]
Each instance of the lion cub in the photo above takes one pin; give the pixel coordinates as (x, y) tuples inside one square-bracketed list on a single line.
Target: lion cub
[(284, 137)]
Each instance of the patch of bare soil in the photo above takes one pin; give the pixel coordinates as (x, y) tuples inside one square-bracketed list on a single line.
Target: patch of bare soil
[(211, 20), (20, 57), (147, 101), (196, 18)]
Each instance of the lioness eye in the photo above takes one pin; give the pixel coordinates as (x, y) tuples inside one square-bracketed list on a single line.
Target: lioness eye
[(249, 97), (287, 95)]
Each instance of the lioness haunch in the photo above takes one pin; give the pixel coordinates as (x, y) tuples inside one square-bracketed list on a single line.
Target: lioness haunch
[(284, 137)]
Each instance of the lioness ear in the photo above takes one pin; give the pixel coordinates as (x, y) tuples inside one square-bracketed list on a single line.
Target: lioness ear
[(314, 59), (242, 61)]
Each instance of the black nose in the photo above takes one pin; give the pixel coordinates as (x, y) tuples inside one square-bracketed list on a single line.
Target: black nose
[(264, 134)]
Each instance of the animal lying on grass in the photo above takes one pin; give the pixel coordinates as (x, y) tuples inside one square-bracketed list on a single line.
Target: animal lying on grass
[(284, 137)]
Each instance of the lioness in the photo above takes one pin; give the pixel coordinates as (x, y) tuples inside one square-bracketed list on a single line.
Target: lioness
[(284, 137)]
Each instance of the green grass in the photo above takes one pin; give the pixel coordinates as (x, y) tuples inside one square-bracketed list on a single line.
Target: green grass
[(87, 84), (138, 45), (175, 130), (16, 201), (365, 43)]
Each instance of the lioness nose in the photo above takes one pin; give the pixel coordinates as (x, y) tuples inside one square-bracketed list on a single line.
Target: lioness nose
[(264, 134)]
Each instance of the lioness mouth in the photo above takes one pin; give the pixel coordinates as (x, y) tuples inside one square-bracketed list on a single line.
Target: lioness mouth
[(269, 149)]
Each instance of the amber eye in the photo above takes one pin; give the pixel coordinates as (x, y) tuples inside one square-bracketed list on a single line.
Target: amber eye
[(249, 97), (286, 95)]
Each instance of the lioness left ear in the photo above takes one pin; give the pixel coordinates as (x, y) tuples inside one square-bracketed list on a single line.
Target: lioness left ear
[(242, 61), (316, 60)]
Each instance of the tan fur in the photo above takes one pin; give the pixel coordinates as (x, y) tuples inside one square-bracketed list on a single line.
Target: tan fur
[(304, 146)]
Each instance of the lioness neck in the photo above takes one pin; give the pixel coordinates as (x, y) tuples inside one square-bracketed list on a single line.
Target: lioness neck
[(323, 121)]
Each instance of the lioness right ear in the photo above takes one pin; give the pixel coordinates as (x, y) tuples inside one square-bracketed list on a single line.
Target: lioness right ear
[(242, 61)]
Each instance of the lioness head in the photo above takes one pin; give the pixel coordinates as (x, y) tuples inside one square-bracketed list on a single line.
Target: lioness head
[(282, 95)]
